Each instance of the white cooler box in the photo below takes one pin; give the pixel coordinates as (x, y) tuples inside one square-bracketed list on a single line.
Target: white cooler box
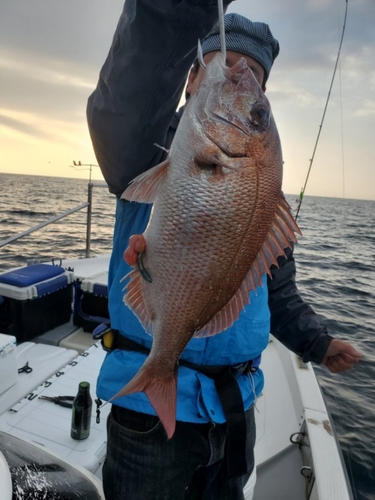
[(35, 299), (48, 424)]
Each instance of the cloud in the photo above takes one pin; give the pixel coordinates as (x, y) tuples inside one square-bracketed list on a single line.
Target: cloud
[(65, 31), (368, 109), (31, 125), (43, 87), (51, 54), (43, 69), (22, 126)]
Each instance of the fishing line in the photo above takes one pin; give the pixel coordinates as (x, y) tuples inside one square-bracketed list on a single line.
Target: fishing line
[(345, 452), (302, 193), (222, 29), (342, 137)]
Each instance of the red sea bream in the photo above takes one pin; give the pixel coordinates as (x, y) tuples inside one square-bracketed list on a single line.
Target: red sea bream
[(219, 221)]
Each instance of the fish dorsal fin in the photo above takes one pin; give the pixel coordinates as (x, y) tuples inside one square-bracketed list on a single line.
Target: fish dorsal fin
[(146, 186), (279, 237), (134, 299)]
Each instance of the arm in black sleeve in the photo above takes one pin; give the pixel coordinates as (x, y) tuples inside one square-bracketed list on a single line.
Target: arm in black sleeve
[(293, 322), (141, 83)]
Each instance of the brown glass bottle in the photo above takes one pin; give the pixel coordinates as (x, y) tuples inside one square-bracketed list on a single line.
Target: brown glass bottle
[(81, 413)]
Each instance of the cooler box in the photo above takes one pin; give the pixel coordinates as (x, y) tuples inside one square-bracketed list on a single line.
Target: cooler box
[(8, 363), (34, 299), (91, 302)]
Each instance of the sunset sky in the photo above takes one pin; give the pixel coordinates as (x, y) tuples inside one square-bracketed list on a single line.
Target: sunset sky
[(51, 53)]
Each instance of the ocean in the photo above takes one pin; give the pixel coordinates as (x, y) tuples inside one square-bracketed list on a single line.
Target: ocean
[(336, 275)]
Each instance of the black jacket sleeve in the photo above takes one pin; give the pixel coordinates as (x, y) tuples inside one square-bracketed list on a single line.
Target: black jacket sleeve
[(293, 322), (141, 83)]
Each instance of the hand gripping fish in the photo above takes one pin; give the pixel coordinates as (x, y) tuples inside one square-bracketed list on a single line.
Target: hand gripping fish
[(219, 221)]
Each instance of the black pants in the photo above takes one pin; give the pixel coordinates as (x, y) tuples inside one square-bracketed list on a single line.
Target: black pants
[(142, 464)]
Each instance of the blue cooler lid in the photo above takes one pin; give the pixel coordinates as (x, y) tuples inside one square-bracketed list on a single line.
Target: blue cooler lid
[(101, 290), (30, 275)]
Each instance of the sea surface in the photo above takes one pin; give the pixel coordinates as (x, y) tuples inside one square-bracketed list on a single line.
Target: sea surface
[(336, 276)]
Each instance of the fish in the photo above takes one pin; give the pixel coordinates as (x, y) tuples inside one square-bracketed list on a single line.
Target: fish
[(218, 223)]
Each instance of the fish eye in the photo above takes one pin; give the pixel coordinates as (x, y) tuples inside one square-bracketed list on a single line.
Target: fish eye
[(260, 115)]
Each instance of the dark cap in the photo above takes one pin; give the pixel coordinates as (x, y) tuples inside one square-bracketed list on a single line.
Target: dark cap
[(250, 39)]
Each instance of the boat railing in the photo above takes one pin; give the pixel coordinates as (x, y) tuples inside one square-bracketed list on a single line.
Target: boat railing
[(56, 218)]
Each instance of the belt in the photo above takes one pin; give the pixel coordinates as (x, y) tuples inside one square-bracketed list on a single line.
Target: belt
[(229, 393), (123, 343)]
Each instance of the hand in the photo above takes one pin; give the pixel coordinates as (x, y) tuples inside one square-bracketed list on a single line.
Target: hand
[(341, 356)]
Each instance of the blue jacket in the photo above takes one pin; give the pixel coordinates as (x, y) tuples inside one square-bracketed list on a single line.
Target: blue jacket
[(131, 109), (197, 400)]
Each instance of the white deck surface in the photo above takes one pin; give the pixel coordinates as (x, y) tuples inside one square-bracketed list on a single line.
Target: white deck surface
[(45, 360), (47, 424)]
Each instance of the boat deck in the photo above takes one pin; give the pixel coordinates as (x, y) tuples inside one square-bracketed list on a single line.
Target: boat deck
[(291, 403)]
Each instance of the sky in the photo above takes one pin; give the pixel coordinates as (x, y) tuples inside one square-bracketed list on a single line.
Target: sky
[(51, 53)]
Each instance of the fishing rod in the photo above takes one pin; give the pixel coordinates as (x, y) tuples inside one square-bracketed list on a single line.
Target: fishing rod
[(302, 193)]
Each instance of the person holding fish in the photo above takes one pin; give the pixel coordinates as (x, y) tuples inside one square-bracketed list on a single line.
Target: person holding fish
[(209, 273)]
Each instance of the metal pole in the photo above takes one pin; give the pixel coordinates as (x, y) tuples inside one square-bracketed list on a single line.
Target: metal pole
[(43, 224), (88, 224)]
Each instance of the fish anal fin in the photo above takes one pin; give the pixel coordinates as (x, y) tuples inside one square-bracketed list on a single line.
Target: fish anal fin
[(134, 299), (161, 393), (146, 186), (225, 318), (279, 237)]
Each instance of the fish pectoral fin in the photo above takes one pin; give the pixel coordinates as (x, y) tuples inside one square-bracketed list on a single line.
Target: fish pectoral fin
[(134, 299), (146, 186), (161, 392), (279, 237)]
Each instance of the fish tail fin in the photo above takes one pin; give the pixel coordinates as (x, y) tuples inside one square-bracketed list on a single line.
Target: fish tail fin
[(161, 392)]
